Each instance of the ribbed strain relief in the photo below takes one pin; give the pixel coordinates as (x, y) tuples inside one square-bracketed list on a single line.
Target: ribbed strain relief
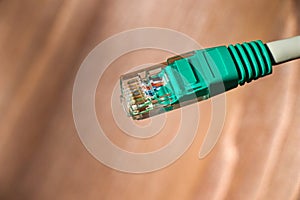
[(252, 60)]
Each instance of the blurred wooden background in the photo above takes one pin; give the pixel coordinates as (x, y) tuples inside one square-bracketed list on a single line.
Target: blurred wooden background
[(42, 44)]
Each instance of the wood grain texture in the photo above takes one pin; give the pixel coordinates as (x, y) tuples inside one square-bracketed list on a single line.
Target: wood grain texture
[(42, 44)]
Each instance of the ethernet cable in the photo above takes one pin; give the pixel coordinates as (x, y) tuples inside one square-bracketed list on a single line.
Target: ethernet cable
[(201, 74)]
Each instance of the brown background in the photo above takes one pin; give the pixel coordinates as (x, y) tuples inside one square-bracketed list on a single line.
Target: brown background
[(42, 44)]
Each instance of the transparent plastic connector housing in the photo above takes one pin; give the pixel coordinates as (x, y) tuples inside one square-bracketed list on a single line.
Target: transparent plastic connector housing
[(146, 92)]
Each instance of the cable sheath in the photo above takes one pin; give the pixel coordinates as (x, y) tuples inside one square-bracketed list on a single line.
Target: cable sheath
[(285, 50)]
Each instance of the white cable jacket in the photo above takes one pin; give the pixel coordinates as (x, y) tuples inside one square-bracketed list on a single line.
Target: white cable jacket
[(285, 50)]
